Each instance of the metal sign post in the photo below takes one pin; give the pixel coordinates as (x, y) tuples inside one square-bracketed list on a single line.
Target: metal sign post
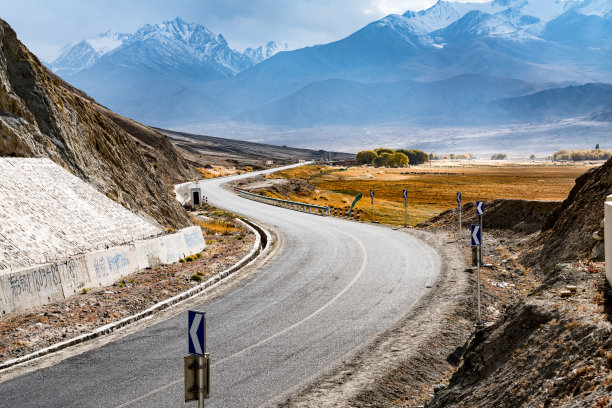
[(197, 365), (459, 209), (372, 198), (480, 209), (405, 195), (476, 238)]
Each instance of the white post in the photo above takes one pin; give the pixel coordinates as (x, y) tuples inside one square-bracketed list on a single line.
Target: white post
[(608, 236)]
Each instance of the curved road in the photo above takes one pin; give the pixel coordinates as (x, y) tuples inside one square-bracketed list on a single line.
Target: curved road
[(332, 287)]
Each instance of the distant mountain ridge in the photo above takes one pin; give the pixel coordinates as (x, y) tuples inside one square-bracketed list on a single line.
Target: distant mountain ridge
[(453, 64), (185, 42)]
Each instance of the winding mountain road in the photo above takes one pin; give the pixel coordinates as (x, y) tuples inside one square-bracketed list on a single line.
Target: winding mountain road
[(331, 288)]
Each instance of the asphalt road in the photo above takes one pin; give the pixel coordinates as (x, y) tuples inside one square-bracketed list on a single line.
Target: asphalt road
[(333, 286)]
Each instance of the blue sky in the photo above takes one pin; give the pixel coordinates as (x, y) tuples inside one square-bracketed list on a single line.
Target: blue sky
[(45, 26)]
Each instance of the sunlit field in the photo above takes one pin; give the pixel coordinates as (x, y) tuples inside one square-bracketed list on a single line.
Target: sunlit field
[(431, 189)]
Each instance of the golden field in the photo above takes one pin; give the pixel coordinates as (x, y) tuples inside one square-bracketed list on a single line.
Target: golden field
[(431, 189)]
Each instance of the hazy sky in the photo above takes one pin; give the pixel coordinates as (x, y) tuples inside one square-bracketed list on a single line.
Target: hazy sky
[(45, 26)]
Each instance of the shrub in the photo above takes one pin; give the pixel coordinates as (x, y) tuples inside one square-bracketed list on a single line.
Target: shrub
[(366, 157), (499, 156), (380, 161), (397, 160), (382, 150), (85, 290), (415, 156), (189, 259), (196, 278)]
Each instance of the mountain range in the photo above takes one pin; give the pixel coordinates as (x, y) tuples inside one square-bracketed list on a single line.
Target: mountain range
[(451, 64)]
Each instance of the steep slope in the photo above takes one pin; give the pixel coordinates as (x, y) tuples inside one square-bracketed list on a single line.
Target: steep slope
[(568, 231), (41, 118)]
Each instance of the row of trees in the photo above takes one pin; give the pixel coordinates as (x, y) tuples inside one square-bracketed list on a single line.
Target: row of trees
[(579, 155), (384, 157)]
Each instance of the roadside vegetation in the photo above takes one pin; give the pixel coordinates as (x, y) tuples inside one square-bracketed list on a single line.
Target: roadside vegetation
[(384, 157)]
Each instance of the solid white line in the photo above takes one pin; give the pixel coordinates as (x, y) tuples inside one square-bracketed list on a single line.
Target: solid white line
[(280, 333)]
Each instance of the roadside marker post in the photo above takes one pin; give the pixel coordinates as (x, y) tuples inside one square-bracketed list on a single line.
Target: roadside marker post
[(197, 364), (459, 209), (480, 209), (476, 240), (372, 198), (405, 195)]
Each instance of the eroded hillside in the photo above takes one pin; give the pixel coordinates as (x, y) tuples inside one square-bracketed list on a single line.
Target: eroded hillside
[(41, 116)]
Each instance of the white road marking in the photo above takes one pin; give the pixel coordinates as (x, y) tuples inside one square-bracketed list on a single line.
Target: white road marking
[(280, 333)]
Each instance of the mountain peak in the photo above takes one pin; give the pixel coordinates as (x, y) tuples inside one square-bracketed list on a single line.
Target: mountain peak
[(176, 39)]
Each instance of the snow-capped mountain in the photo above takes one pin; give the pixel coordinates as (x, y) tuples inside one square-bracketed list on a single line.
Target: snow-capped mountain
[(259, 54), (442, 64), (83, 54), (181, 42)]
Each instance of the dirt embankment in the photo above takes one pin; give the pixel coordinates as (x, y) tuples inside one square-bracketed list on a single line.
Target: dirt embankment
[(542, 351), (525, 217), (567, 233)]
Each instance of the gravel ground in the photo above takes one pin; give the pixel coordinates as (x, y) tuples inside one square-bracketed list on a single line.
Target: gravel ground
[(26, 331)]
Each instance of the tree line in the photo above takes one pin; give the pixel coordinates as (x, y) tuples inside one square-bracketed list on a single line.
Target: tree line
[(579, 155), (384, 157)]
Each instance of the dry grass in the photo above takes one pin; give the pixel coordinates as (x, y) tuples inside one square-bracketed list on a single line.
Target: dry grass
[(431, 190), (220, 226), (217, 171)]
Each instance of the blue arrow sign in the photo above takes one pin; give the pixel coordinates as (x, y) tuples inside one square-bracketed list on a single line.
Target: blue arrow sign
[(196, 332), (480, 207), (476, 235), (405, 193), (459, 197)]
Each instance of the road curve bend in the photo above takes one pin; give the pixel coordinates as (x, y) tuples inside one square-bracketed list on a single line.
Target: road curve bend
[(332, 287)]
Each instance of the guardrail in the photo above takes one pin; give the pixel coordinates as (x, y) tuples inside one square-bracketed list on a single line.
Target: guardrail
[(295, 205), (608, 236)]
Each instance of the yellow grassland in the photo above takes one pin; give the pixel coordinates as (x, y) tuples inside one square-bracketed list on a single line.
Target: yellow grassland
[(217, 171), (431, 190)]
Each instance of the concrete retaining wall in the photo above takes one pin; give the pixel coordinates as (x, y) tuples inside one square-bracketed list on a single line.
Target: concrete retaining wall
[(608, 237), (48, 283)]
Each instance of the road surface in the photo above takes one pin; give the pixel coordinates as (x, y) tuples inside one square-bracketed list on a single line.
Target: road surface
[(333, 286)]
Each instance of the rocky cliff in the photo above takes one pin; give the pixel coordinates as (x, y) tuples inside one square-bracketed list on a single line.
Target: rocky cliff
[(568, 232), (41, 116)]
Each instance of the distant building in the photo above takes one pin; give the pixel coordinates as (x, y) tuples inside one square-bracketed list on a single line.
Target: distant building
[(269, 162)]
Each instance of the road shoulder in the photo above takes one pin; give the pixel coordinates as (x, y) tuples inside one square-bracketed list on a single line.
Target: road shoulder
[(407, 360)]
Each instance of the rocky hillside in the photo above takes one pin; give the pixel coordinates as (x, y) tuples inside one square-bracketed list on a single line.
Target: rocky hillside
[(567, 233), (40, 116)]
